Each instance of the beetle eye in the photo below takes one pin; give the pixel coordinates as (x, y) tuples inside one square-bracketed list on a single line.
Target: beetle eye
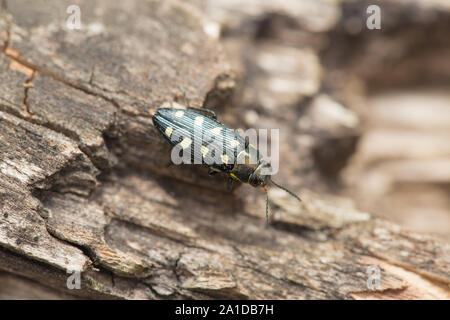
[(255, 179)]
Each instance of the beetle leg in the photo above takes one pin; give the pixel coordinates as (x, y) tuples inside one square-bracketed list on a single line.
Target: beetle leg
[(212, 172), (230, 184), (211, 113)]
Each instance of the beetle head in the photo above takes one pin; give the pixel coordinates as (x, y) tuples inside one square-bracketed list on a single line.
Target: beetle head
[(261, 175)]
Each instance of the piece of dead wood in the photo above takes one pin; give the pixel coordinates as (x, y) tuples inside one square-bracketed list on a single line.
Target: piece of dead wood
[(86, 182)]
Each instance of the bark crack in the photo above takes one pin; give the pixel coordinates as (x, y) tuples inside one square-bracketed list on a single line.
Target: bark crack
[(177, 238), (430, 277), (54, 127), (265, 274), (26, 86), (21, 60), (89, 256)]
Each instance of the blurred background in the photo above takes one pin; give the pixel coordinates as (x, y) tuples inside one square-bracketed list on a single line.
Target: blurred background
[(364, 113)]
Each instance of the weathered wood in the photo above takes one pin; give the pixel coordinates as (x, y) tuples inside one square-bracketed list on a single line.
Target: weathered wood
[(86, 182)]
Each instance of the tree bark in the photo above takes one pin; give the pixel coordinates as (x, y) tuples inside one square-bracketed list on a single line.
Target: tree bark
[(86, 182)]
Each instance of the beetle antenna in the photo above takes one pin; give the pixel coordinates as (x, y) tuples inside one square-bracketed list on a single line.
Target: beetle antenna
[(267, 206), (283, 188), (186, 100)]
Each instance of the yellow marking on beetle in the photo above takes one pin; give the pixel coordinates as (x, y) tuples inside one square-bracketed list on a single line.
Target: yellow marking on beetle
[(179, 114), (204, 151), (234, 176), (216, 130), (186, 142), (198, 121), (169, 131), (224, 159), (234, 143)]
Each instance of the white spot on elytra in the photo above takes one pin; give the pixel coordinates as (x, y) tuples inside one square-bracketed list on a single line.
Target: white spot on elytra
[(204, 151), (198, 121), (179, 114), (186, 142), (169, 131), (216, 130), (234, 143), (224, 158)]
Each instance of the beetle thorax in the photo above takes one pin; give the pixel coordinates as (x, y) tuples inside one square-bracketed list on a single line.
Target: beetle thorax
[(261, 175)]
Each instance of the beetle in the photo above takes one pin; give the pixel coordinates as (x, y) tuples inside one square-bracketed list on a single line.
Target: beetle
[(205, 139)]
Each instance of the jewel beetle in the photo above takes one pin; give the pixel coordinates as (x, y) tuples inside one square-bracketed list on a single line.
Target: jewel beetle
[(211, 143)]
